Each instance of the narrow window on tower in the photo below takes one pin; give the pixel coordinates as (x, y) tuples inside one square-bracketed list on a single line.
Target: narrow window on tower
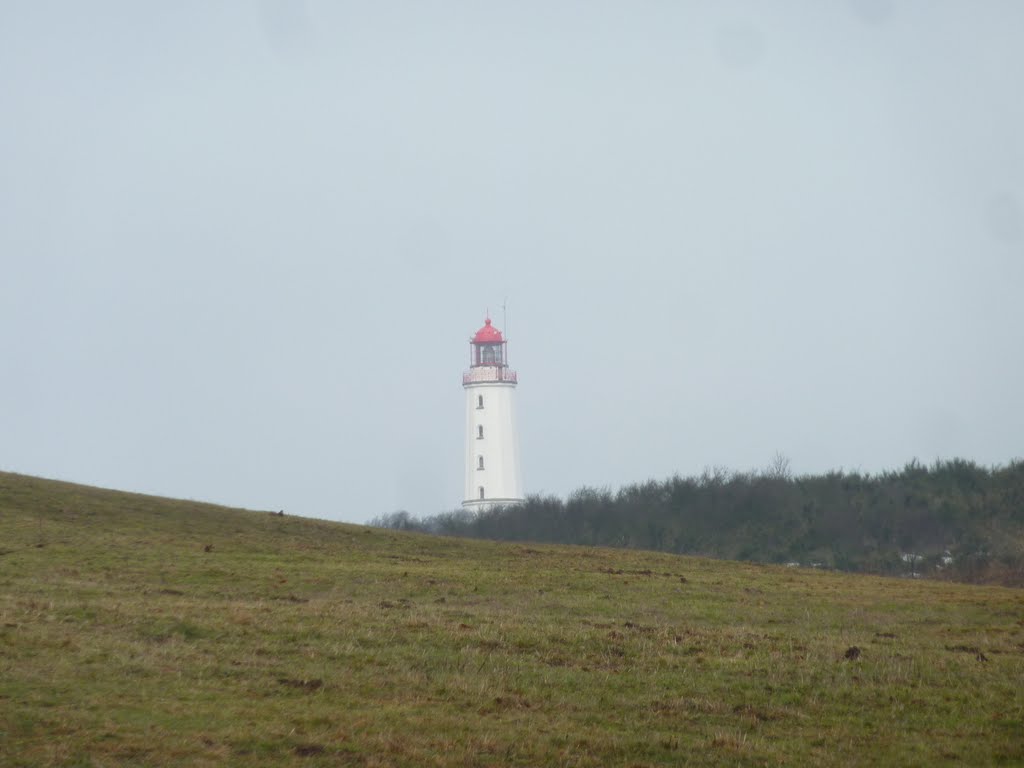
[(481, 491), (479, 401), (480, 432), (479, 462)]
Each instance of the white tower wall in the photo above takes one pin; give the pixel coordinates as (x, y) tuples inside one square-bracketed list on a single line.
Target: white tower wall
[(491, 436), (493, 476)]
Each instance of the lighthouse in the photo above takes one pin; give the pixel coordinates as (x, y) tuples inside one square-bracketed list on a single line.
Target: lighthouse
[(492, 444)]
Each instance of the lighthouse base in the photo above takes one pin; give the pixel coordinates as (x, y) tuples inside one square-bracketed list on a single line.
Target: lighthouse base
[(483, 505)]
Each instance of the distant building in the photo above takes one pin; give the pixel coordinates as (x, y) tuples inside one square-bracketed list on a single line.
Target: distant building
[(493, 475)]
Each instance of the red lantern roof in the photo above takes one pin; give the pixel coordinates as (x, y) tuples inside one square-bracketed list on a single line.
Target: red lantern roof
[(488, 334)]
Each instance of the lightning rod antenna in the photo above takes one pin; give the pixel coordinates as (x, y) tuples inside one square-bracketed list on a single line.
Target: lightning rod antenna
[(504, 324)]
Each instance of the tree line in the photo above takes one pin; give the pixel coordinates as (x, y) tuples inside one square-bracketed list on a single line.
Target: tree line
[(952, 519)]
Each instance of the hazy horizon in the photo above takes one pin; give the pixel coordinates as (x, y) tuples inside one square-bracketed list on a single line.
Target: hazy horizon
[(244, 245)]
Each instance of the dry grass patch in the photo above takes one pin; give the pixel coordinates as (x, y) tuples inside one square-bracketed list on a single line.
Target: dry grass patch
[(153, 632)]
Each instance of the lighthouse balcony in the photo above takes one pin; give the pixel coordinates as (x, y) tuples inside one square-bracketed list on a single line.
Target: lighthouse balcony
[(484, 374)]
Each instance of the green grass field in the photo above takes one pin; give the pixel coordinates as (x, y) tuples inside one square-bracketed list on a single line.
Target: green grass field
[(145, 631)]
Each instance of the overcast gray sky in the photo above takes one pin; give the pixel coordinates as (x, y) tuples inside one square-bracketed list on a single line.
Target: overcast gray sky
[(243, 244)]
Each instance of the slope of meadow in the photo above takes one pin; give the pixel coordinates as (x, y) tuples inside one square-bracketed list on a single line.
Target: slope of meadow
[(145, 631)]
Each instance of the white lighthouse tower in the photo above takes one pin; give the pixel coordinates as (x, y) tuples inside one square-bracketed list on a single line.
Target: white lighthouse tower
[(492, 443)]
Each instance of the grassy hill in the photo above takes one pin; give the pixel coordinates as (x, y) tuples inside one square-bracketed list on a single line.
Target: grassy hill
[(145, 631)]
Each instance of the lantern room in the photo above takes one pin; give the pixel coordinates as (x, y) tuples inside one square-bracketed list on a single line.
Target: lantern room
[(487, 347)]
